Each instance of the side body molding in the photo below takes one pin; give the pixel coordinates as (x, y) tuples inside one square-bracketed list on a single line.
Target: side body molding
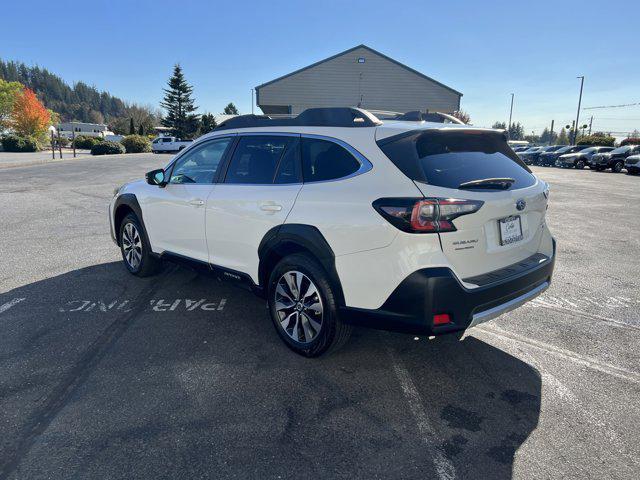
[(291, 238)]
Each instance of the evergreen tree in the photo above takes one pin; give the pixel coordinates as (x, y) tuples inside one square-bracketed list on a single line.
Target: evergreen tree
[(207, 123), (516, 132), (132, 127), (140, 130), (548, 137), (231, 109), (562, 138), (180, 106), (499, 126)]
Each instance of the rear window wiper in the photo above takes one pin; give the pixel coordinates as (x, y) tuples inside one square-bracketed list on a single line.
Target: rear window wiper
[(497, 183)]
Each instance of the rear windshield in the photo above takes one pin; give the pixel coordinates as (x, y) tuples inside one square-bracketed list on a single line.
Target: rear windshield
[(451, 158)]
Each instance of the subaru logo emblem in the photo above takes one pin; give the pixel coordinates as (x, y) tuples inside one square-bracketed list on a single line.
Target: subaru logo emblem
[(520, 204)]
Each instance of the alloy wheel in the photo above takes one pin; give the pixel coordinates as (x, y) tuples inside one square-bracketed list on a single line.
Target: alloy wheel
[(298, 306), (132, 245)]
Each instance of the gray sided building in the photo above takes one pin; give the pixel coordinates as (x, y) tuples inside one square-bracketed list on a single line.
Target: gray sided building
[(361, 77)]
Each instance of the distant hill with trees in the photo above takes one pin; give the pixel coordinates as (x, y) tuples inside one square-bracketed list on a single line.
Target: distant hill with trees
[(79, 102)]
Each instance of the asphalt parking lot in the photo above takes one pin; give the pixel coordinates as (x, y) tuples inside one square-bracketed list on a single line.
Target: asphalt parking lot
[(104, 375)]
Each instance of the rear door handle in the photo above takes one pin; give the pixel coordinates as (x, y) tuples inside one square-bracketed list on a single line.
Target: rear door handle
[(270, 207), (196, 202)]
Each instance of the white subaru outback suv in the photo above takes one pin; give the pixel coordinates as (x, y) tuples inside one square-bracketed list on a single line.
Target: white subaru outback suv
[(340, 219)]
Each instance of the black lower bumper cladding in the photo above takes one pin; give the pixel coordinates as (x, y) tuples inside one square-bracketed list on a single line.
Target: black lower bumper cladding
[(430, 291)]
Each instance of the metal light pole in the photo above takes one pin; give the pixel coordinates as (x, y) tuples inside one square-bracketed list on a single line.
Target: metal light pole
[(575, 130), (510, 115), (252, 101)]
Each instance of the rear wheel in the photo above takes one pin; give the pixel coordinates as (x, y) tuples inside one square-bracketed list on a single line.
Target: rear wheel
[(303, 307), (580, 164), (136, 252), (618, 166)]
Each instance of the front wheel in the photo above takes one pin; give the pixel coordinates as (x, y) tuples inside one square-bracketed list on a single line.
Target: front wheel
[(302, 305), (617, 167), (580, 164), (136, 251)]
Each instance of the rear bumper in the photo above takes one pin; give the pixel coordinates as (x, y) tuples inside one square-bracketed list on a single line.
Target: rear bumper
[(424, 293)]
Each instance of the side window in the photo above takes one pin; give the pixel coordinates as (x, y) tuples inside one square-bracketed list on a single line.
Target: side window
[(324, 160), (166, 140), (200, 164), (256, 158)]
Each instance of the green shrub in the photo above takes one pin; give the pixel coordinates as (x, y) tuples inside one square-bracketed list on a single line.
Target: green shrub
[(136, 144), (16, 143), (87, 143), (600, 140), (630, 141), (62, 141), (107, 148)]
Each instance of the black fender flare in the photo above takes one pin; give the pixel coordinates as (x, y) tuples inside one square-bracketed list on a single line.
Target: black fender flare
[(292, 238), (129, 200)]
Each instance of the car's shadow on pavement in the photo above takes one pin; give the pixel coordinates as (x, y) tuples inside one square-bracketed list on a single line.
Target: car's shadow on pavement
[(108, 375)]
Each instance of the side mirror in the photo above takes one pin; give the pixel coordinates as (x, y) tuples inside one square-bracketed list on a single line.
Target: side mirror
[(156, 177)]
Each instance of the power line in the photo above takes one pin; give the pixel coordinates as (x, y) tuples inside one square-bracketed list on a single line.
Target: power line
[(613, 106)]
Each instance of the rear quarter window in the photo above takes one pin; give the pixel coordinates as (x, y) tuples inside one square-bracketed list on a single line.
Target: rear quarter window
[(323, 160), (450, 158)]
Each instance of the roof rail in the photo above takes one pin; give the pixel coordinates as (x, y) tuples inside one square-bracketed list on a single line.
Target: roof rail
[(438, 117), (311, 117)]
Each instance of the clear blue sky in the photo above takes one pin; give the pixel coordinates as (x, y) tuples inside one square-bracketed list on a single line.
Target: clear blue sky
[(484, 49)]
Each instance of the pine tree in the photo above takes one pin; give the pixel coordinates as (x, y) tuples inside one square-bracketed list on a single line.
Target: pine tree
[(180, 106), (132, 127), (231, 109), (562, 138), (207, 123), (140, 130), (516, 132)]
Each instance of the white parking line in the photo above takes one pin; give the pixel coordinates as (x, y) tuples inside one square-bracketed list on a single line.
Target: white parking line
[(583, 360), (444, 468), (6, 306)]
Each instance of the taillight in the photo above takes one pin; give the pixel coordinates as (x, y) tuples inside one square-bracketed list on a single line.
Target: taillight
[(425, 215)]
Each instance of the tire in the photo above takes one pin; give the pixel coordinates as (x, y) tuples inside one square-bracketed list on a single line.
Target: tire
[(617, 167), (136, 252), (294, 311), (580, 164)]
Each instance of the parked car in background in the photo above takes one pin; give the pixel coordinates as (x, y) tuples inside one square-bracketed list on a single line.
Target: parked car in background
[(521, 148), (548, 159), (525, 154), (580, 159), (613, 159), (534, 158), (168, 144), (632, 164)]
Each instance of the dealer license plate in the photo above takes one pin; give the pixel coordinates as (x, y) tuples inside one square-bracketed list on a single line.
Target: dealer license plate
[(510, 230)]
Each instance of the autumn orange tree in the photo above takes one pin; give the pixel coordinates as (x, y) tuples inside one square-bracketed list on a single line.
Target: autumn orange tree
[(30, 118)]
